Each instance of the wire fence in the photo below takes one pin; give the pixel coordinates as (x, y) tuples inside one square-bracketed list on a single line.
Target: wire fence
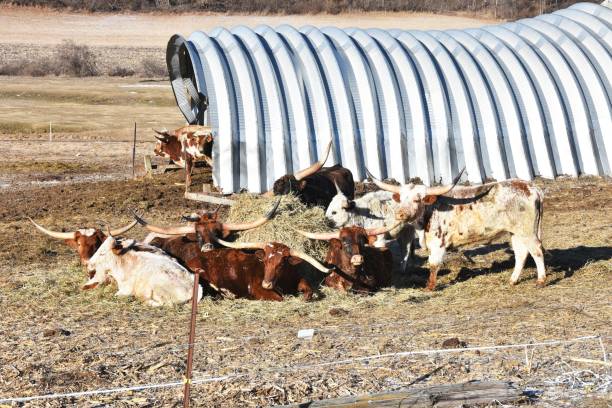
[(301, 367)]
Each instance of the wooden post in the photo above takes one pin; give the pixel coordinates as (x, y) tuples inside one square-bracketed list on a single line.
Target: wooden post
[(192, 324), (50, 132), (134, 153)]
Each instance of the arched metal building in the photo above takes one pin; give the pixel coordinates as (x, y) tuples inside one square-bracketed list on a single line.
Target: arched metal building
[(524, 99)]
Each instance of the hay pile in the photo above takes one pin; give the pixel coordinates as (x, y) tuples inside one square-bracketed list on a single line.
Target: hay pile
[(291, 214)]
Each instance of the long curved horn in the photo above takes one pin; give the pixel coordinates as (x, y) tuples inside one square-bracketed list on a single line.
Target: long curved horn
[(382, 230), (338, 191), (310, 260), (382, 185), (163, 134), (181, 230), (53, 234), (441, 190), (323, 236), (123, 230), (256, 223), (312, 169), (242, 245)]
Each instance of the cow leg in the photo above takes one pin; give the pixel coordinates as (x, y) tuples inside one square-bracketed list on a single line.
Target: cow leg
[(520, 256), (305, 289), (436, 258), (406, 250), (534, 245)]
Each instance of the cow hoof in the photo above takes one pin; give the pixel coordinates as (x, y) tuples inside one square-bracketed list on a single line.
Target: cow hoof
[(429, 288), (513, 282), (540, 284)]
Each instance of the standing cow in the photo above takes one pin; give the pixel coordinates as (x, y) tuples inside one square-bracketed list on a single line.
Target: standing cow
[(450, 216), (316, 185), (356, 265), (85, 241), (373, 210), (142, 271), (184, 145)]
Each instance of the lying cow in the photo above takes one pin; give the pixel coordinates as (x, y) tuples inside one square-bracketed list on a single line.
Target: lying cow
[(184, 146), (461, 216), (142, 271), (85, 241), (272, 271), (316, 185), (356, 265), (373, 210)]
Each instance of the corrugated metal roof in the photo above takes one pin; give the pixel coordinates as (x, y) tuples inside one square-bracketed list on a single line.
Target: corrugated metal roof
[(523, 99)]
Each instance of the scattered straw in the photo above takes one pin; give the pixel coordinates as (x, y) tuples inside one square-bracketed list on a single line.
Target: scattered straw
[(291, 214)]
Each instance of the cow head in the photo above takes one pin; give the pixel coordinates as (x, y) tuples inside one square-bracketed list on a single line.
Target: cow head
[(346, 247), (277, 259), (105, 260), (413, 198), (168, 145), (85, 241), (207, 227), (295, 183), (338, 209)]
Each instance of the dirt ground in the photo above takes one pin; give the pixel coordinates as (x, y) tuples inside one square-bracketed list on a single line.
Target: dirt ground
[(56, 338)]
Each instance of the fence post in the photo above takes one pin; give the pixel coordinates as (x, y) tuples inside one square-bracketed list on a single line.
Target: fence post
[(134, 153), (192, 324)]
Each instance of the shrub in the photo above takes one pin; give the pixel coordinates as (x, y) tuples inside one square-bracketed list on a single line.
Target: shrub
[(75, 60), (121, 72), (153, 67)]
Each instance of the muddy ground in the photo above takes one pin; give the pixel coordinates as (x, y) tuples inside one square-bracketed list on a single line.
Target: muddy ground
[(57, 338)]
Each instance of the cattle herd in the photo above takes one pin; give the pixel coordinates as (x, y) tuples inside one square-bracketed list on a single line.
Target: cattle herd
[(362, 255)]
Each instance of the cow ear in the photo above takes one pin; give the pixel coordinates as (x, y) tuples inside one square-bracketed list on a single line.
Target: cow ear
[(396, 197), (351, 205), (430, 199), (293, 260), (260, 255), (302, 184), (90, 284)]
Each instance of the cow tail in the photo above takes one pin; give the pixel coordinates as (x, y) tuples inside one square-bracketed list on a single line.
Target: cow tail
[(539, 204)]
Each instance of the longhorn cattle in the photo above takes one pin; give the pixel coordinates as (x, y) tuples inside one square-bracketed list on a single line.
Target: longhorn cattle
[(373, 210), (316, 185), (356, 265), (449, 216), (85, 241), (184, 145), (142, 271)]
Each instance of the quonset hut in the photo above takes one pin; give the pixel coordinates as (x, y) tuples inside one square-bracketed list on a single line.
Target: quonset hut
[(523, 99)]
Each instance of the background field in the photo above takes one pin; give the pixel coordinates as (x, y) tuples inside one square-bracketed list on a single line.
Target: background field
[(56, 338)]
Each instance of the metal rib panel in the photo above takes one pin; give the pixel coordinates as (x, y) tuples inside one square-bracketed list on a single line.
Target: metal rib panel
[(339, 95), (416, 144), (596, 97), (602, 13), (598, 29), (487, 128), (564, 156)]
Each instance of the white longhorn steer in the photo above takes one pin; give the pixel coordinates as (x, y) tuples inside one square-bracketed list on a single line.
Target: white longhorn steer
[(142, 271), (373, 210), (450, 216)]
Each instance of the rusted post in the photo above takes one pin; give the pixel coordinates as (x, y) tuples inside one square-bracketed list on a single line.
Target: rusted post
[(192, 324), (134, 153)]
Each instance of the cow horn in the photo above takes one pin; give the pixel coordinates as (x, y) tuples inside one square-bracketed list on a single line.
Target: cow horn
[(440, 190), (181, 230), (123, 230), (323, 236), (310, 260), (241, 245), (382, 185), (381, 230), (53, 234), (312, 169), (256, 223), (163, 134), (338, 191)]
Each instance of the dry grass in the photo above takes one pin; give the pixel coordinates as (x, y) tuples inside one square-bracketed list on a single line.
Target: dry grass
[(292, 214)]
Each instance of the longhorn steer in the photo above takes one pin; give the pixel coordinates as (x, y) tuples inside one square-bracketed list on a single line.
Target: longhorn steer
[(357, 266), (475, 215), (316, 185), (143, 271), (373, 210), (184, 145), (85, 241)]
